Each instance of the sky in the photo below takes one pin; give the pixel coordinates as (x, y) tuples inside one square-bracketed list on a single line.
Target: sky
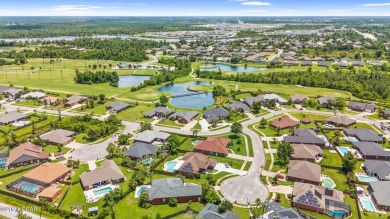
[(194, 8)]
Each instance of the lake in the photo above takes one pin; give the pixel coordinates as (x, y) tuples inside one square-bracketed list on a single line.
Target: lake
[(191, 102), (230, 68), (131, 80)]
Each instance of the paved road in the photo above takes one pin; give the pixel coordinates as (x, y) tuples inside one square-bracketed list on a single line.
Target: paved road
[(12, 212), (98, 151)]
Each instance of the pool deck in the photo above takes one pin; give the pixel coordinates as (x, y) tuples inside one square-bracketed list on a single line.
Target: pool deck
[(323, 177), (91, 197), (138, 188)]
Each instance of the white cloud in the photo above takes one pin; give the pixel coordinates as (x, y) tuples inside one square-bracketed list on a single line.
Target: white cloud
[(254, 11), (73, 8), (376, 4), (256, 3)]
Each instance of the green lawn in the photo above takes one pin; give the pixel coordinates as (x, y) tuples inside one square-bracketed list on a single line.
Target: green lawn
[(278, 165), (267, 161), (188, 144), (269, 132), (237, 143), (99, 109), (83, 139), (331, 159), (284, 201), (310, 116), (168, 122), (29, 103), (338, 177), (54, 149), (135, 113), (234, 163)]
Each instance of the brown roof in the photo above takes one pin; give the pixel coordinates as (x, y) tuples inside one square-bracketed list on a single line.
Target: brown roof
[(28, 149), (58, 136), (50, 99), (284, 122), (47, 172), (338, 120), (318, 192), (49, 192), (194, 161), (299, 97), (213, 144), (75, 99), (305, 151), (304, 170), (306, 120)]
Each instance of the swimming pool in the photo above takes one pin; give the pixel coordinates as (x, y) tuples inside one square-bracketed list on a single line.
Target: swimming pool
[(102, 192), (170, 166), (20, 123), (148, 161), (195, 142), (337, 213), (343, 150), (3, 162), (29, 187), (328, 183), (322, 137), (352, 139), (329, 126), (367, 204), (365, 178), (141, 189)]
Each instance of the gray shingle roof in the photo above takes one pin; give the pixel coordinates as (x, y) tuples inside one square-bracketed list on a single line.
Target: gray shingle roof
[(381, 192), (140, 149), (187, 115), (364, 134), (304, 136), (149, 136), (324, 100), (210, 211), (108, 170), (380, 167), (279, 212), (216, 113), (238, 105), (371, 149), (251, 100), (159, 110), (172, 188), (118, 106), (12, 117)]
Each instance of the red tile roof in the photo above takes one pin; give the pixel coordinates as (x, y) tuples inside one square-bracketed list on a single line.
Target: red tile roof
[(213, 144)]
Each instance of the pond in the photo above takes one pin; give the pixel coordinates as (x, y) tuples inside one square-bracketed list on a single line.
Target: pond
[(230, 68), (131, 80), (191, 101)]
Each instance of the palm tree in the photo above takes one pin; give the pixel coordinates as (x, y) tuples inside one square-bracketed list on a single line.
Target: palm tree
[(195, 132)]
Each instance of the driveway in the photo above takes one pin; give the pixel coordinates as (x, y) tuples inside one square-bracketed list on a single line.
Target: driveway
[(96, 151), (221, 167)]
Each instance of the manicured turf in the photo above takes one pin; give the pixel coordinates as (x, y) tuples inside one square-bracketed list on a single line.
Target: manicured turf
[(332, 159), (338, 177), (54, 149), (234, 163), (168, 122)]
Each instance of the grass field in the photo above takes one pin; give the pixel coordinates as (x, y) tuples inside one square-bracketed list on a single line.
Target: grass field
[(331, 159)]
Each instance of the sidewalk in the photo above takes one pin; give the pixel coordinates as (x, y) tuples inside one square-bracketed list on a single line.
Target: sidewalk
[(12, 212)]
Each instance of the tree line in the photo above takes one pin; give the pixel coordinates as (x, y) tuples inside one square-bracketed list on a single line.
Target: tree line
[(369, 86), (97, 77)]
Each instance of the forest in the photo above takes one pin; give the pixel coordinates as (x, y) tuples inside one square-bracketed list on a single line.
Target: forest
[(369, 86), (98, 77), (88, 48)]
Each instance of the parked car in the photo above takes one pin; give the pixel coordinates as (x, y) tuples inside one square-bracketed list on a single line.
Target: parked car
[(280, 176)]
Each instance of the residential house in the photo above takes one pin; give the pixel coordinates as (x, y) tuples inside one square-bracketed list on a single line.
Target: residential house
[(194, 163), (116, 107), (306, 152), (303, 171), (275, 97), (371, 150), (362, 107), (291, 63), (140, 149), (48, 174), (213, 146), (12, 117), (250, 100), (341, 64), (275, 211), (162, 190), (151, 137), (75, 99), (210, 211), (49, 100), (363, 134), (340, 121), (319, 199), (107, 173), (323, 64), (385, 114), (306, 63), (58, 137), (239, 106), (216, 114), (26, 153), (299, 98), (380, 193), (33, 95), (159, 112), (305, 136), (324, 101), (358, 64), (378, 168), (284, 122), (10, 92), (184, 117)]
